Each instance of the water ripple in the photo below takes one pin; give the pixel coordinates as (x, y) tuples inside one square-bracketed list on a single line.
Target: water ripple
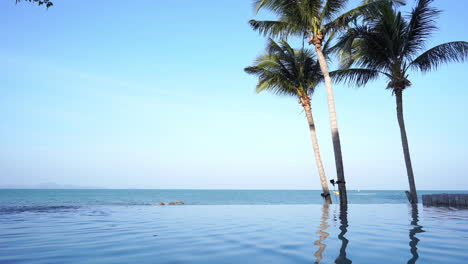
[(234, 234)]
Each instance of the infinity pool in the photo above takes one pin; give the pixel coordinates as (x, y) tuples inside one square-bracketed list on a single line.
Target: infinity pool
[(373, 233)]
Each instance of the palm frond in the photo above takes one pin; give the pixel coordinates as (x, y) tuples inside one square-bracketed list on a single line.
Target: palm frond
[(327, 47), (306, 11), (283, 70), (358, 77), (365, 48), (420, 26), (275, 6), (275, 29), (366, 9), (344, 46), (331, 8), (456, 51)]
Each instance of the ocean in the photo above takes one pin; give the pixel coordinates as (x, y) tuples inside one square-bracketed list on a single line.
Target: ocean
[(225, 226)]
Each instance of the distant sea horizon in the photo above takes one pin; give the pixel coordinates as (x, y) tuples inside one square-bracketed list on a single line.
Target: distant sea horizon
[(58, 186), (19, 198)]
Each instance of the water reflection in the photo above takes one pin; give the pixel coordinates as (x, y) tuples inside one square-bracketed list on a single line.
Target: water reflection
[(322, 234), (342, 259), (343, 217), (343, 227), (412, 234)]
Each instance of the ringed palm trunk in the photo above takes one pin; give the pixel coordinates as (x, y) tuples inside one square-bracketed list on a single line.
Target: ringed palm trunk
[(404, 142), (318, 159), (334, 127)]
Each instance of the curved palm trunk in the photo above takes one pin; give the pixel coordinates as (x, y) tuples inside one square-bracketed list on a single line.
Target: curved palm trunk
[(334, 127), (404, 142), (318, 159)]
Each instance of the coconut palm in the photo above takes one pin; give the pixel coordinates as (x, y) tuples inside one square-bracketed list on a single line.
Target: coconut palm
[(391, 45), (314, 19), (286, 71)]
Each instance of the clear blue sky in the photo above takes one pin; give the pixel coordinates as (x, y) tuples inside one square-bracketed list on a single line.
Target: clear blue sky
[(152, 94)]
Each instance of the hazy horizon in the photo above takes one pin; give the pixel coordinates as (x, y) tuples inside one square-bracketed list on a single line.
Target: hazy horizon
[(52, 186)]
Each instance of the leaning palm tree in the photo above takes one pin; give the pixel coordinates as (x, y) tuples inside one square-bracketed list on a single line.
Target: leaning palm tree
[(318, 20), (391, 45), (286, 71)]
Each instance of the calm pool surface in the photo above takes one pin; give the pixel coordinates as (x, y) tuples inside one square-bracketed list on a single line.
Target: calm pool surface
[(366, 233)]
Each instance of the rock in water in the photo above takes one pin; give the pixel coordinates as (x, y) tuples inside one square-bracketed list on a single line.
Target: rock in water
[(174, 203)]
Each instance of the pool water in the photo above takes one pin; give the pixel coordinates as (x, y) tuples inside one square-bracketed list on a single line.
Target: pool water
[(304, 233)]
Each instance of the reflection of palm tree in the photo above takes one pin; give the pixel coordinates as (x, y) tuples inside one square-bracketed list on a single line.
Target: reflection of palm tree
[(323, 235), (412, 234), (344, 241)]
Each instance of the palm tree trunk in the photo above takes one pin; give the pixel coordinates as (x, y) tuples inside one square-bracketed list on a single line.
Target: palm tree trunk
[(334, 127), (318, 159), (404, 142)]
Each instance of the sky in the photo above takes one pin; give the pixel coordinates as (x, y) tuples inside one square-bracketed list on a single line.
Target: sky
[(152, 94)]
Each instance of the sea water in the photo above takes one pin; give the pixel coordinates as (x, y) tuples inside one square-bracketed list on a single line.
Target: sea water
[(225, 226), (82, 197)]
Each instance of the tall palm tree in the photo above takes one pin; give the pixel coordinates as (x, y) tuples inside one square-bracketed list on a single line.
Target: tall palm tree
[(286, 71), (314, 19), (391, 45)]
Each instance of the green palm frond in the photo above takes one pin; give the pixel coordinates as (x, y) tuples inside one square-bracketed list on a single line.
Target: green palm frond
[(331, 8), (420, 26), (376, 45), (276, 29), (366, 9), (310, 16), (283, 70), (387, 44), (456, 51), (358, 77), (346, 46), (275, 6), (327, 47), (374, 51)]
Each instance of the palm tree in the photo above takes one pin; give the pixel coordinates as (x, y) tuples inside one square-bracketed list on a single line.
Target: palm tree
[(285, 71), (391, 45), (314, 19)]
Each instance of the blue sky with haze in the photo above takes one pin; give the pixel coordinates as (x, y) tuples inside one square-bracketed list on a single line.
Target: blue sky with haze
[(152, 94)]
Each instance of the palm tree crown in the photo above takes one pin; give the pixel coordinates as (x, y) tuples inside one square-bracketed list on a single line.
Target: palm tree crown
[(390, 43), (286, 71), (312, 18)]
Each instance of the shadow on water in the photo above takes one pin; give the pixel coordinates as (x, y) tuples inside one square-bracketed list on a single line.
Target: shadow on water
[(322, 234), (412, 234)]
